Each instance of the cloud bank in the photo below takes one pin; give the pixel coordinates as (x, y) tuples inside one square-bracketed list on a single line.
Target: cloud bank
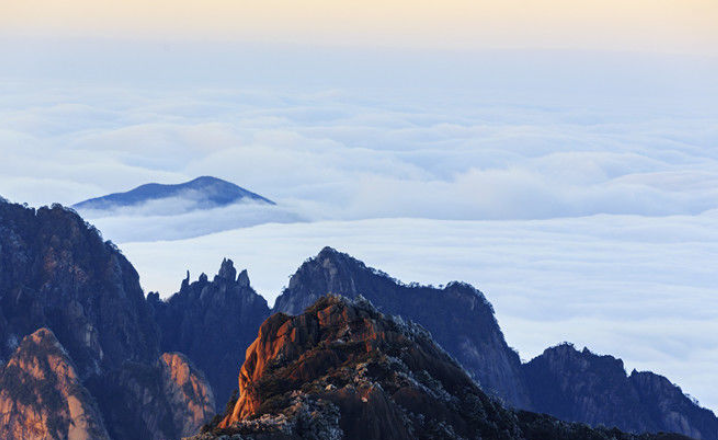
[(176, 218), (353, 153)]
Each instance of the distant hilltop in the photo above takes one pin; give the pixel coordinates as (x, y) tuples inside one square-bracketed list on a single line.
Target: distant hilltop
[(204, 192)]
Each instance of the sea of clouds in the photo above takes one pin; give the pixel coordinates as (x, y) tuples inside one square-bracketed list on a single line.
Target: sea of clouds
[(579, 191)]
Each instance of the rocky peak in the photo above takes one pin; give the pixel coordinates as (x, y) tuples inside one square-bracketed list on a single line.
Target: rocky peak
[(354, 373), (42, 397), (213, 323), (227, 271), (566, 356), (243, 279), (343, 370), (458, 316), (57, 272), (582, 386)]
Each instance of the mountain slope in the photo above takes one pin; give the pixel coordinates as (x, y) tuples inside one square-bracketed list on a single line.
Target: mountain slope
[(212, 322), (168, 399), (41, 396), (343, 370), (205, 192), (57, 273), (581, 386), (458, 316)]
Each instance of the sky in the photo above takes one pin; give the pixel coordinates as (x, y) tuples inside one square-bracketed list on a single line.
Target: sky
[(677, 26), (560, 155)]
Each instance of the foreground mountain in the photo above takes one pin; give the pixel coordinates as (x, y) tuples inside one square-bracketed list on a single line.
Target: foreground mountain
[(581, 386), (41, 395), (57, 272), (201, 193), (570, 385), (343, 370), (212, 322), (458, 316), (99, 347)]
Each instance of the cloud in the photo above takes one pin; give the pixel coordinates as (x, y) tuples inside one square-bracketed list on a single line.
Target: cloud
[(177, 218), (489, 150)]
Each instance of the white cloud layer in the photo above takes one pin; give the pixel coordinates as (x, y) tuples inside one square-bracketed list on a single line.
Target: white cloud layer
[(568, 147), (579, 190), (639, 288), (176, 218)]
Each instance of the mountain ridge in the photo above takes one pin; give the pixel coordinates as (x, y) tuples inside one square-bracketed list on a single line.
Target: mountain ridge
[(57, 272), (81, 297), (343, 370)]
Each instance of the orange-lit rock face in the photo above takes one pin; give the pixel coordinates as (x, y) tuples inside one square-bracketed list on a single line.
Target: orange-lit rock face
[(283, 339), (343, 370), (187, 393), (329, 351), (41, 396)]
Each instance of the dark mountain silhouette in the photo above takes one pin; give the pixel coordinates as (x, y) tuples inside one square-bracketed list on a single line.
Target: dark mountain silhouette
[(204, 192), (58, 277), (581, 386), (212, 322), (343, 370), (57, 272)]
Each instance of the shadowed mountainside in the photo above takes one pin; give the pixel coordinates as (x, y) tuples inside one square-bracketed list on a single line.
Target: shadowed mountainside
[(212, 322), (57, 274), (581, 386)]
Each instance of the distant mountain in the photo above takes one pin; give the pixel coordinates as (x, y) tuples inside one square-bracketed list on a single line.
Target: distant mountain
[(204, 192)]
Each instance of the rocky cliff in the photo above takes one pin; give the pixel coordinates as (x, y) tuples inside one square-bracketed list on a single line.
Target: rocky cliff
[(57, 273), (212, 322), (581, 386), (165, 400), (343, 370), (42, 397), (458, 316)]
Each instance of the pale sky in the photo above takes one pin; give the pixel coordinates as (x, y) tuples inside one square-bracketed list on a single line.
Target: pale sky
[(674, 26)]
